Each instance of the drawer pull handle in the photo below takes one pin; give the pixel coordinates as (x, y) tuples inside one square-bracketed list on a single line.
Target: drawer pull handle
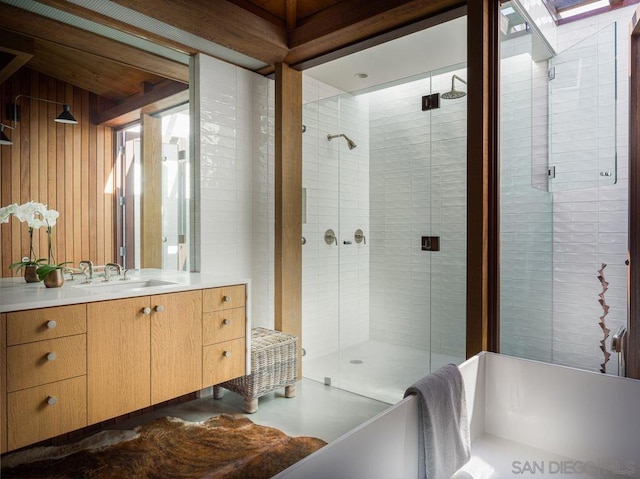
[(52, 400), (51, 324), (226, 354), (159, 309), (146, 310), (226, 299), (51, 356), (226, 322)]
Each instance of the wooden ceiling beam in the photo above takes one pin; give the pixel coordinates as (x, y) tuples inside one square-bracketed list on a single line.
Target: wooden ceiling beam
[(353, 21), (89, 14), (162, 96), (221, 22), (291, 12), (18, 20), (261, 12), (19, 47)]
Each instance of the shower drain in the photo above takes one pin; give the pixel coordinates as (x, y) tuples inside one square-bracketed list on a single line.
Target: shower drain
[(356, 361)]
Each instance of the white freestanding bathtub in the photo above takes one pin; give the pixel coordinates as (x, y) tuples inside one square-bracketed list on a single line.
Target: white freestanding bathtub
[(527, 419)]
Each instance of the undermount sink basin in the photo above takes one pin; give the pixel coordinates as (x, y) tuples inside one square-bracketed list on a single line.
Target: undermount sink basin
[(117, 285)]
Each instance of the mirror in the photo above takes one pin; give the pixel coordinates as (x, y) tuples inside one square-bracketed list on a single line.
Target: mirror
[(153, 181)]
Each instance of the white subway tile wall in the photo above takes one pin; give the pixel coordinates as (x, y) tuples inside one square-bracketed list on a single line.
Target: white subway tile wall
[(234, 132)]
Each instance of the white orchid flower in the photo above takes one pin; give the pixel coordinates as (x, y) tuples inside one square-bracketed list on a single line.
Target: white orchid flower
[(50, 217), (7, 211), (33, 213)]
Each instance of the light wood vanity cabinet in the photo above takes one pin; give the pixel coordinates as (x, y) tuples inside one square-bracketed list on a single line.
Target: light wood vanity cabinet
[(143, 351), (66, 367), (45, 373)]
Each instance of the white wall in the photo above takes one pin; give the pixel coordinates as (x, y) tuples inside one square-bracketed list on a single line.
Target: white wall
[(233, 135)]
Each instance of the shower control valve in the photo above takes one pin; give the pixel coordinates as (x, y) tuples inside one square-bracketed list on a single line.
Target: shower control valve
[(330, 237)]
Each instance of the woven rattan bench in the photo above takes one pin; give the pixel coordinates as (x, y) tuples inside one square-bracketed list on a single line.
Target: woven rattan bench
[(273, 365)]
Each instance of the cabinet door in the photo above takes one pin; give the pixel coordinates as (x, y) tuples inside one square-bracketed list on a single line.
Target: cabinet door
[(118, 357), (176, 345)]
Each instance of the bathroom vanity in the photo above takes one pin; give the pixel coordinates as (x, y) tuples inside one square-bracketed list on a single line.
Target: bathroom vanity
[(84, 353)]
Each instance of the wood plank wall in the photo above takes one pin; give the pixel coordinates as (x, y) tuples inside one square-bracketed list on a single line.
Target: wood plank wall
[(70, 168)]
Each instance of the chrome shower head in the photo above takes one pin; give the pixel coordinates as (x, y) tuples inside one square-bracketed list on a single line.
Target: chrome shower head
[(453, 94), (350, 143)]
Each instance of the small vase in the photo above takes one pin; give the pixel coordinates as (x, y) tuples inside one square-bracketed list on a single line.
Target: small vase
[(30, 275), (55, 279)]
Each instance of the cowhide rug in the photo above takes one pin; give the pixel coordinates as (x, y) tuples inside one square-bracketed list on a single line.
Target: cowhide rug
[(226, 446)]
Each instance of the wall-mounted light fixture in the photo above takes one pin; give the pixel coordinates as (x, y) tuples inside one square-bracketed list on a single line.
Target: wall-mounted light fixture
[(3, 138), (13, 113)]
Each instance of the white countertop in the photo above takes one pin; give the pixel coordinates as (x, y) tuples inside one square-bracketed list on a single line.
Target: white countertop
[(17, 295)]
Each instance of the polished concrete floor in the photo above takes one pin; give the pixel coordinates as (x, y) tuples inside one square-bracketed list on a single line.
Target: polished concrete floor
[(316, 410), (375, 369)]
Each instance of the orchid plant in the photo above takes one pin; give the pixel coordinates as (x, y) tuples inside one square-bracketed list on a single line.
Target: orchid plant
[(36, 215)]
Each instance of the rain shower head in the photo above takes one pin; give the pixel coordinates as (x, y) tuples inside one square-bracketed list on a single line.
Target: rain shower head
[(350, 143), (453, 94)]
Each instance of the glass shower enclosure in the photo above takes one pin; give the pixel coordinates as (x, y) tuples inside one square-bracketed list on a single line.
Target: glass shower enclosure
[(384, 227), (557, 169)]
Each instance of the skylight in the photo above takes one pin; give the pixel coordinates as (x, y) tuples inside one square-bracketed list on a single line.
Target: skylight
[(580, 7), (564, 11)]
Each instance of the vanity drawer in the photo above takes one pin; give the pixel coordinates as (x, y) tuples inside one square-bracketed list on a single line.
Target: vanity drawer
[(44, 362), (223, 361), (223, 325), (228, 297), (46, 411), (46, 323)]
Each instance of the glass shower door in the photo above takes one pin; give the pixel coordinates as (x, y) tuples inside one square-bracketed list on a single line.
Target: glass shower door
[(380, 173), (448, 220), (582, 113)]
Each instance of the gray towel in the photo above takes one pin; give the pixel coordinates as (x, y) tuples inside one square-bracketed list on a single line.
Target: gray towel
[(444, 442)]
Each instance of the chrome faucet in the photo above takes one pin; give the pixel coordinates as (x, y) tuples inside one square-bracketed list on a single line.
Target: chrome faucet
[(107, 270), (89, 265)]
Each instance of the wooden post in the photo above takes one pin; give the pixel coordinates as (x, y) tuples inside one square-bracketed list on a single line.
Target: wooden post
[(151, 215), (633, 255), (288, 204), (483, 63)]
